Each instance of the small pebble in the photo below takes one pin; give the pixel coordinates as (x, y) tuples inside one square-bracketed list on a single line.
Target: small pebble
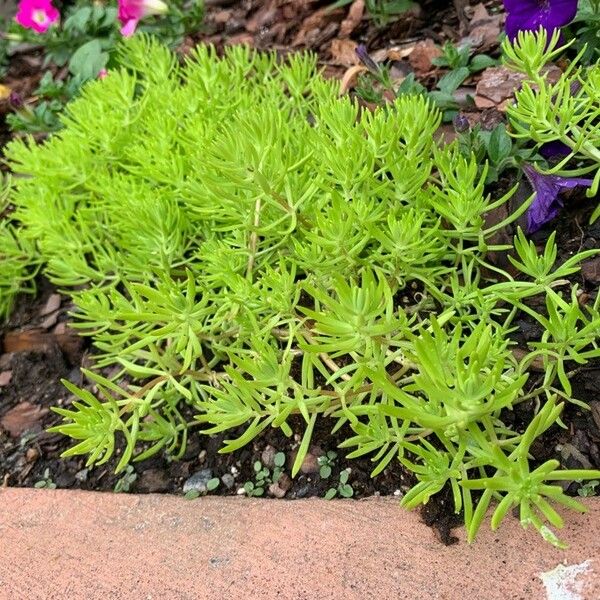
[(202, 456), (310, 464), (228, 480), (32, 454), (397, 492), (267, 458), (198, 481), (284, 482), (301, 492), (277, 491), (241, 491), (82, 475)]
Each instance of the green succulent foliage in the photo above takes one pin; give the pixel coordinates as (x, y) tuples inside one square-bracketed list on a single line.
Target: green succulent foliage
[(17, 255), (565, 110), (245, 247)]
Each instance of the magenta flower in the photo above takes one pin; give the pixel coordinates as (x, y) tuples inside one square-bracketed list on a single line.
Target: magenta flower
[(131, 12), (547, 202), (530, 15), (37, 15)]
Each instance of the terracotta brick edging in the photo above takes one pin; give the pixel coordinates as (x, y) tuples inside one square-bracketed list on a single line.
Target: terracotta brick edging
[(71, 544)]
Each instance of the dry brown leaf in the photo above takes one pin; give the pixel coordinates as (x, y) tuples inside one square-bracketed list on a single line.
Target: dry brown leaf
[(22, 417), (350, 78), (421, 56), (352, 21), (343, 52)]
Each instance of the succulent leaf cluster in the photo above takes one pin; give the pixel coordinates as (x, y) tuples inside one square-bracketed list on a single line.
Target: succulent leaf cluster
[(563, 109), (247, 249)]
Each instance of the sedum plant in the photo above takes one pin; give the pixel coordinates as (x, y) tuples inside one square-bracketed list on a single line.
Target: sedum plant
[(563, 111), (247, 250)]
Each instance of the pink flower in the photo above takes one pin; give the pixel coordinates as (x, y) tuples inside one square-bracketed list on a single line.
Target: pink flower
[(102, 74), (131, 12), (37, 15)]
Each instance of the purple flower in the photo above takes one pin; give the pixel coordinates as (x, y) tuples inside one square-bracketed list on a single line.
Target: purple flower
[(546, 202), (365, 59), (461, 123), (554, 149), (530, 15)]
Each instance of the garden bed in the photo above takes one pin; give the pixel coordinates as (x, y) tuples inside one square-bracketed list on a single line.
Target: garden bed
[(39, 348)]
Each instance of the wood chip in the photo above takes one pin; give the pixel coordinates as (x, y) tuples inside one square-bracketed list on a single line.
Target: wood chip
[(343, 52), (52, 305), (590, 270), (22, 417), (497, 86), (484, 29), (5, 378), (352, 21), (421, 56)]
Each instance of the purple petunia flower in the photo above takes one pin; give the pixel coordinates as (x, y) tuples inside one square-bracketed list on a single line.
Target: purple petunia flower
[(365, 59), (530, 15), (546, 202), (554, 149)]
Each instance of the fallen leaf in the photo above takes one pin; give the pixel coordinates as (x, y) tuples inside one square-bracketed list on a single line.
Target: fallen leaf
[(22, 417), (350, 78), (343, 52), (352, 21)]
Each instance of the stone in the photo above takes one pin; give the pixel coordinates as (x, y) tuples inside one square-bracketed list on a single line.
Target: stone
[(267, 458), (198, 482), (228, 481)]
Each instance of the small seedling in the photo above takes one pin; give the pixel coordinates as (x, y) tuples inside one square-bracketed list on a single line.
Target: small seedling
[(455, 57), (588, 489), (126, 481), (46, 482), (264, 477), (326, 462), (344, 489)]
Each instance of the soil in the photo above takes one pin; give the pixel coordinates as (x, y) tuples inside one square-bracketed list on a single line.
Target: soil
[(39, 350)]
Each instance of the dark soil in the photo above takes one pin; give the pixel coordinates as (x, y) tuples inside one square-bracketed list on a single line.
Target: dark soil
[(38, 349)]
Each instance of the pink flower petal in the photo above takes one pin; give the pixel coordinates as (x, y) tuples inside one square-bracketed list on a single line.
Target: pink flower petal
[(129, 28)]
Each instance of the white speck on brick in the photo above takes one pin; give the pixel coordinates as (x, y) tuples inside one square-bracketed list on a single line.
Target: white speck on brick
[(566, 582)]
